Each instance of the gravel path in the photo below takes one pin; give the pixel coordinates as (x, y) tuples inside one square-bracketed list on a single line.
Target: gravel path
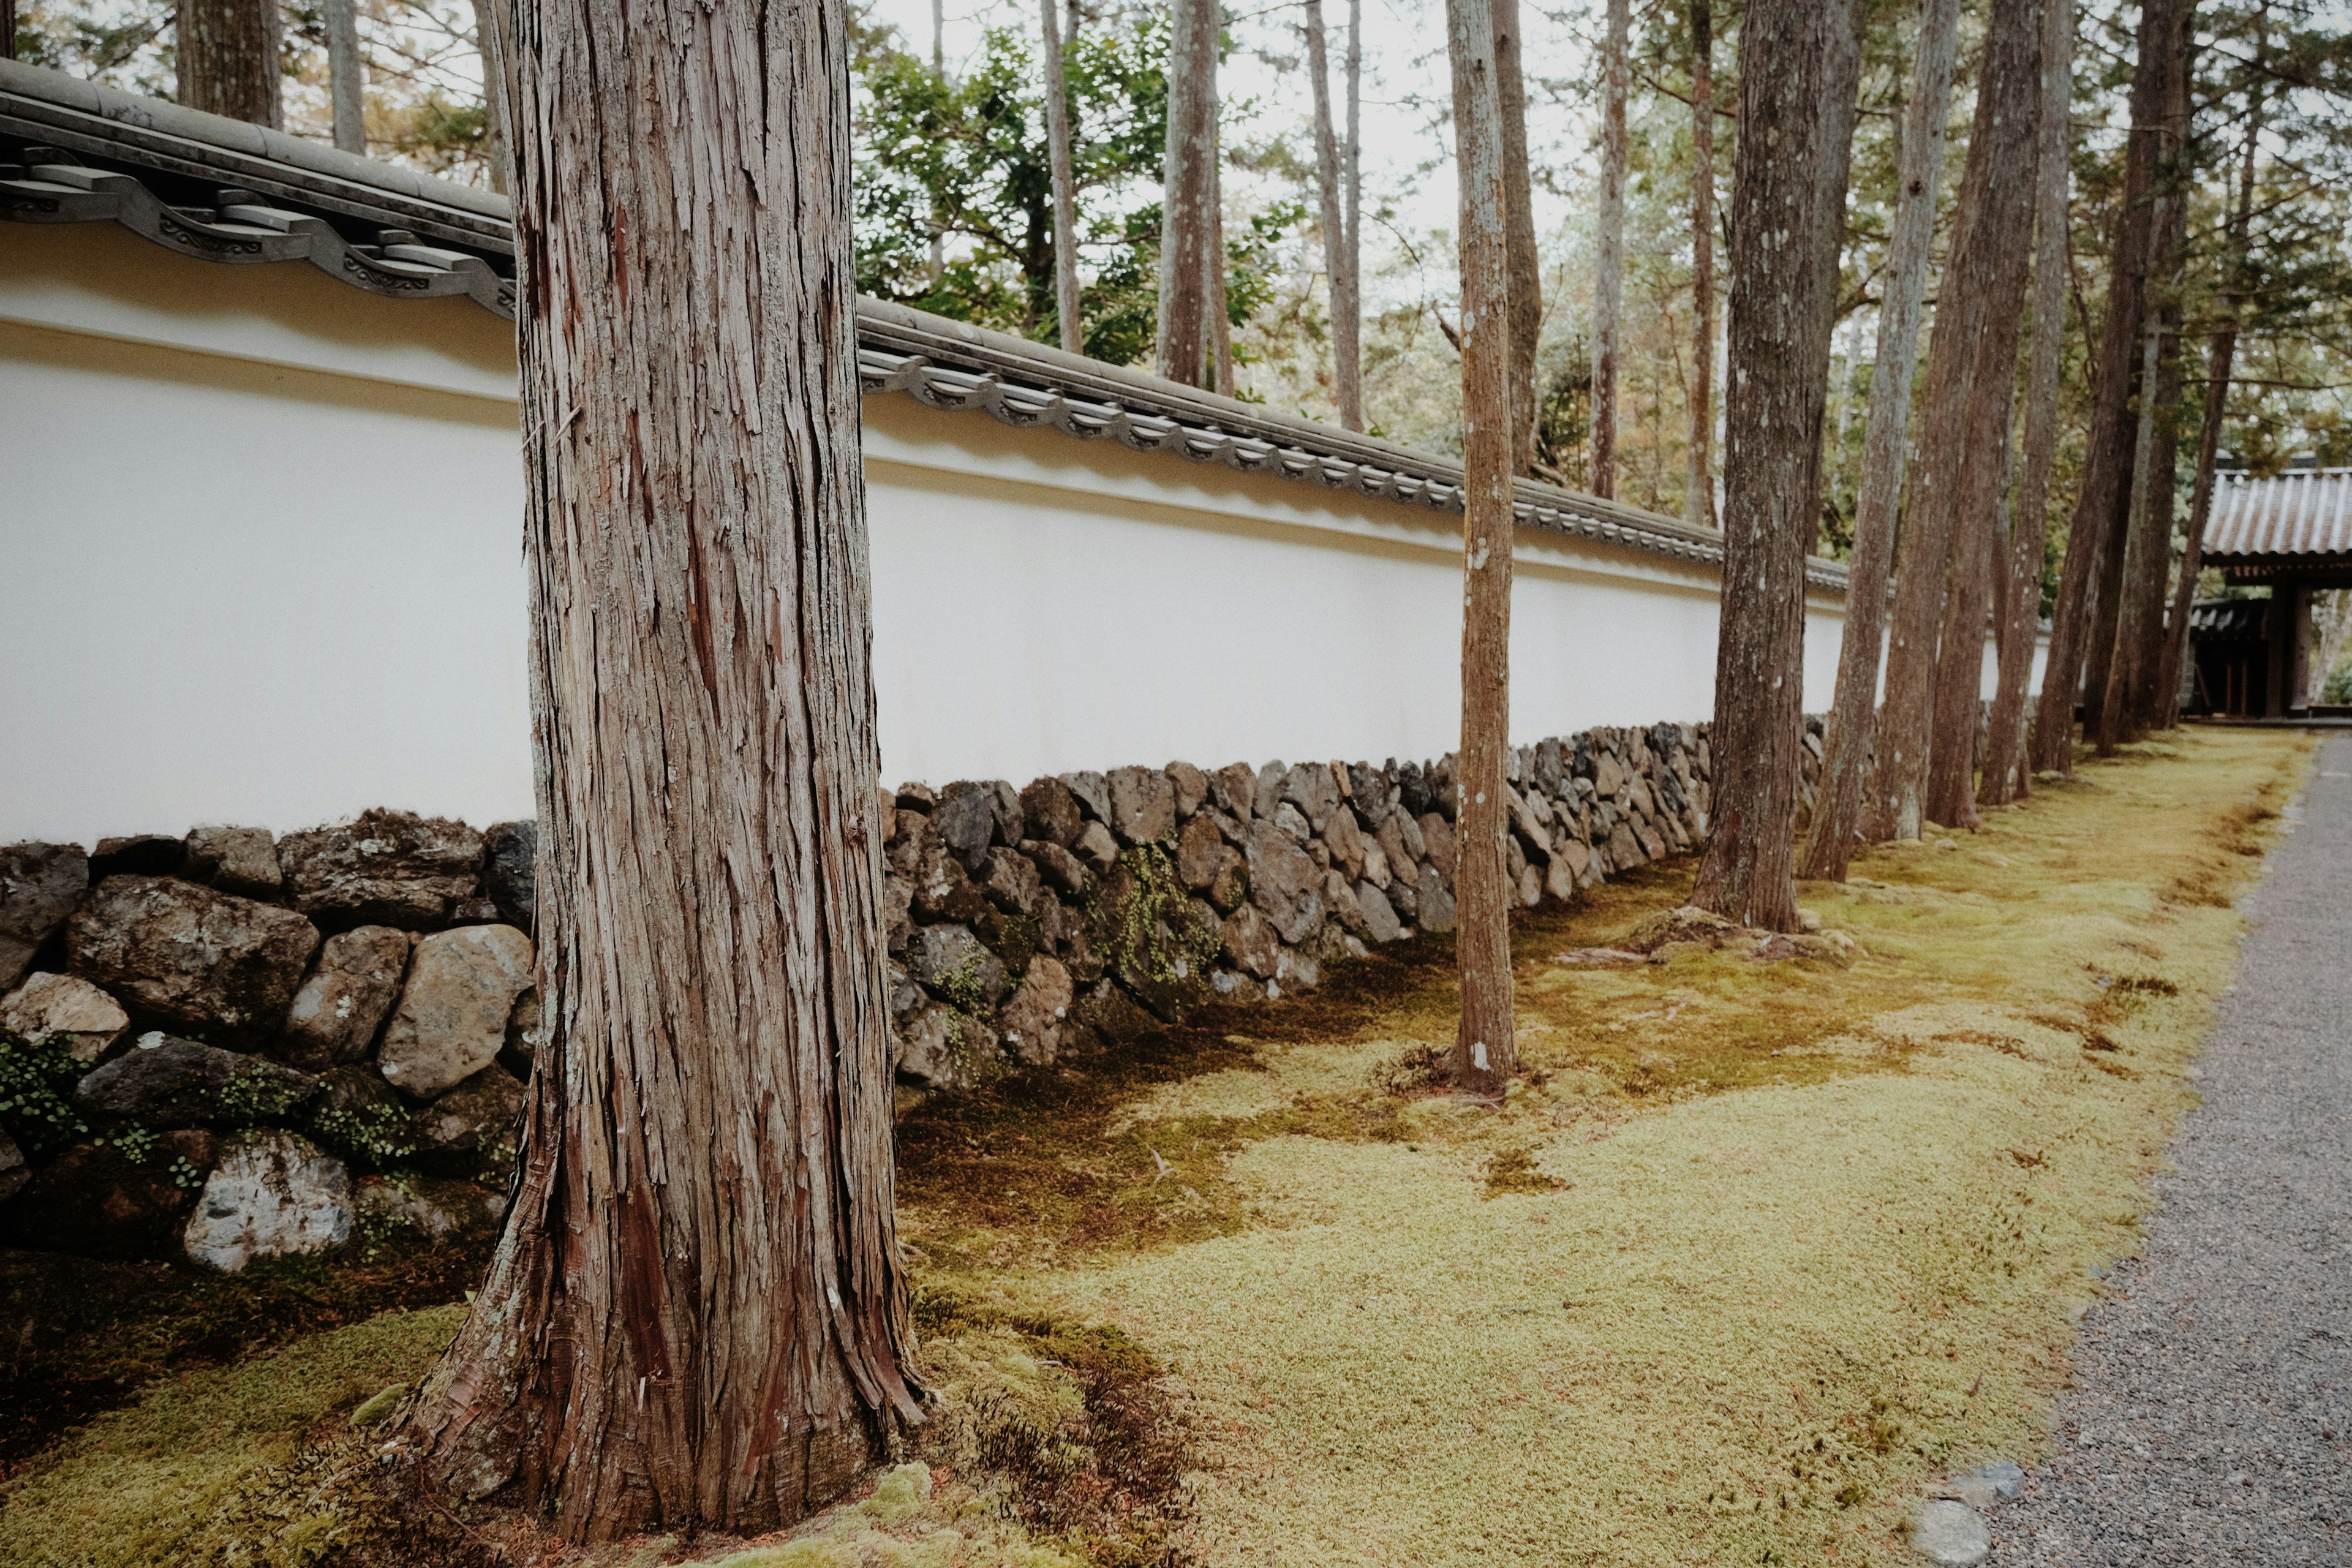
[(2212, 1422)]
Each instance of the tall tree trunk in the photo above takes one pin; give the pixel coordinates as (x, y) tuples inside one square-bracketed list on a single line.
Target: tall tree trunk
[(7, 29), (345, 75), (1066, 313), (1347, 284), (496, 87), (227, 58), (1999, 254), (1852, 722), (2103, 495), (1221, 318), (1189, 187), (1518, 233), (1609, 250), (1800, 62), (2132, 694), (940, 74), (2005, 775), (694, 1317), (1327, 188), (1982, 283), (1485, 1047), (1698, 504)]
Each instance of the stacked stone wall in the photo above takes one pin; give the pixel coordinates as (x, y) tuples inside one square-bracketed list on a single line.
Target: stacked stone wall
[(232, 1045)]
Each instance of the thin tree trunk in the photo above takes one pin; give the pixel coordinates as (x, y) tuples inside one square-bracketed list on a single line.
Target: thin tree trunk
[(1189, 186), (2220, 358), (694, 1317), (1347, 284), (1698, 504), (1798, 68), (2005, 775), (1518, 233), (2102, 496), (496, 90), (1485, 1047), (345, 75), (226, 53), (1327, 186), (7, 29), (940, 74), (1221, 320), (1852, 722), (1982, 281), (1999, 253), (1066, 313), (1609, 250)]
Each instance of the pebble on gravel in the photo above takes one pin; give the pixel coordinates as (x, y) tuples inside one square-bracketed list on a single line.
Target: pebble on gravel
[(1952, 1534)]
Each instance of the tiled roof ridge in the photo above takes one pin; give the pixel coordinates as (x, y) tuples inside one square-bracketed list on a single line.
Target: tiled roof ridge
[(398, 234)]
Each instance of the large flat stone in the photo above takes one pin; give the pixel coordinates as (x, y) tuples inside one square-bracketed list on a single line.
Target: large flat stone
[(272, 1194), (186, 953), (67, 1009), (386, 867)]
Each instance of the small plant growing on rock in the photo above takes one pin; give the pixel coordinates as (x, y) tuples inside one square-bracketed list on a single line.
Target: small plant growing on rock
[(256, 1095), (1145, 923), (34, 1081), (379, 1135)]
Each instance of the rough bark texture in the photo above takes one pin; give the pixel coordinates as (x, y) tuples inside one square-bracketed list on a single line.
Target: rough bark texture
[(1348, 286), (2005, 775), (1213, 281), (1999, 254), (1994, 210), (1189, 184), (343, 76), (1518, 233), (1327, 187), (695, 1314), (1798, 64), (1698, 503), (1852, 721), (1609, 250), (2103, 495), (7, 29), (1066, 312), (1485, 1049), (227, 52), (2123, 716)]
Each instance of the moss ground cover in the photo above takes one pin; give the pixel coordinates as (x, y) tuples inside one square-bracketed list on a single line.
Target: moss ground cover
[(1754, 1253)]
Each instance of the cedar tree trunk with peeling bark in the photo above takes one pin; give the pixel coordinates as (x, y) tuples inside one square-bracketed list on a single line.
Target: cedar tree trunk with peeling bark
[(1189, 191), (1485, 1047), (2005, 775), (1799, 65), (1609, 250), (1698, 506), (1335, 224), (1067, 316), (1854, 713), (1518, 233), (227, 55), (2102, 496), (2000, 248), (2147, 555), (694, 1317)]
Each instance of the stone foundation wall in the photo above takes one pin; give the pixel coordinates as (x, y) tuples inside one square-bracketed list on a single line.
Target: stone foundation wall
[(234, 1046)]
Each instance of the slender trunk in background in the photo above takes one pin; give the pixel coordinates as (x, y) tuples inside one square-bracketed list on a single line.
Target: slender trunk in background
[(1838, 805), (1066, 313), (2102, 493), (2113, 718), (2005, 775), (1698, 505), (1518, 233), (1189, 187), (2220, 360), (7, 29), (940, 75), (1348, 287), (1993, 211), (1221, 318), (226, 54), (1609, 250), (1327, 188), (496, 89), (1999, 252), (694, 1318), (1485, 1046), (1800, 62), (344, 77)]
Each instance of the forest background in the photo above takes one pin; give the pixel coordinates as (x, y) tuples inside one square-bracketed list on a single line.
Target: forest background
[(951, 130)]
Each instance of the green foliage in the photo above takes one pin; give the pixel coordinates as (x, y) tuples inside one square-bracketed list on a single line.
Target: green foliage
[(379, 1135), (967, 160), (1146, 925), (258, 1094), (135, 1142), (35, 1081)]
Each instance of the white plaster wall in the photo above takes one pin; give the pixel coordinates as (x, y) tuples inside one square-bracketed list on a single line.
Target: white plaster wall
[(262, 546)]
